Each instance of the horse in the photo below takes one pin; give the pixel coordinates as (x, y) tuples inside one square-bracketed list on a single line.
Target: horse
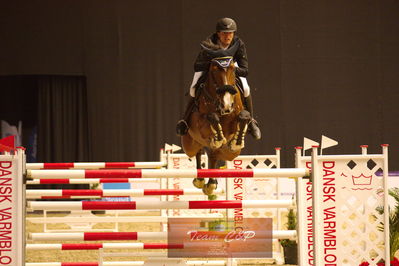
[(220, 122)]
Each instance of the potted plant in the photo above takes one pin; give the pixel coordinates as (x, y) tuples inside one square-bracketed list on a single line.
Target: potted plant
[(393, 230), (393, 225), (290, 247)]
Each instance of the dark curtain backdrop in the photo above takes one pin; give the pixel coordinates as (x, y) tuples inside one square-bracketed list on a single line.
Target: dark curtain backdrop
[(63, 134), (316, 67)]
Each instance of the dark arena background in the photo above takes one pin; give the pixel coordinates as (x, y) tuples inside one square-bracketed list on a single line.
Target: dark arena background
[(105, 80)]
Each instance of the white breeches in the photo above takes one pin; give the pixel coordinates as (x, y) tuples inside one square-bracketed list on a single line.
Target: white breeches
[(197, 75)]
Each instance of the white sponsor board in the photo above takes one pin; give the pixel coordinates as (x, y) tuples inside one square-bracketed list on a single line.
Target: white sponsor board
[(346, 228), (11, 210)]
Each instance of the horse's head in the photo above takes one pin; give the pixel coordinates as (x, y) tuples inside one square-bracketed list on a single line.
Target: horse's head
[(221, 78), (222, 74)]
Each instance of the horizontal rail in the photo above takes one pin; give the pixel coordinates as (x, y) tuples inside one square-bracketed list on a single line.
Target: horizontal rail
[(114, 219), (126, 263), (91, 181), (97, 236), (98, 193), (151, 205), (95, 165), (168, 173), (91, 246)]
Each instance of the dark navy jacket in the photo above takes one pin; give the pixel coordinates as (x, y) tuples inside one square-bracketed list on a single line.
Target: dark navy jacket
[(203, 59)]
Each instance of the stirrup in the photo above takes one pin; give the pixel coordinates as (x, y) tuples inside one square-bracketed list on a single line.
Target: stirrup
[(181, 128)]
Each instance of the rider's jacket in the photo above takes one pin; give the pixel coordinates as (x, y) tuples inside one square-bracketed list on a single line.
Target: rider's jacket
[(203, 59)]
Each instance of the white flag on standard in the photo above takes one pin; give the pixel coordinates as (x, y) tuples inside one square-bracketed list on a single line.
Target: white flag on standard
[(308, 143), (327, 142), (172, 147)]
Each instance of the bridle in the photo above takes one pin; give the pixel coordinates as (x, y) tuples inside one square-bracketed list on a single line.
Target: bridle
[(222, 62)]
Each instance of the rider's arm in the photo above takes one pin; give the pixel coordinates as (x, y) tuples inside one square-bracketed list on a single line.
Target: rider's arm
[(242, 60)]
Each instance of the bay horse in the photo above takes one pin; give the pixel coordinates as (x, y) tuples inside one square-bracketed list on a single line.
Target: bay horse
[(221, 122)]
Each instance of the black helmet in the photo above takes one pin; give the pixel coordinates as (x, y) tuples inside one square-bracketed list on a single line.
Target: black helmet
[(226, 25)]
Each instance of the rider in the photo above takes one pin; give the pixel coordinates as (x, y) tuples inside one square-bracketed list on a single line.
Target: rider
[(224, 38)]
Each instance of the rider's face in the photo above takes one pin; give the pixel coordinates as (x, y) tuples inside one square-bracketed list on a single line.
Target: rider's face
[(225, 38)]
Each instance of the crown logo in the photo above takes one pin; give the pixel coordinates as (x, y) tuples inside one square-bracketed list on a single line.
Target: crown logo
[(361, 180)]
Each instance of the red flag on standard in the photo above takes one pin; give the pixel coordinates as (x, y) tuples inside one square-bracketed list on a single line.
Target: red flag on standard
[(7, 144)]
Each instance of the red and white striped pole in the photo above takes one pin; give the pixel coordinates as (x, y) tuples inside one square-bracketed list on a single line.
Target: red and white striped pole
[(91, 246), (97, 165), (90, 181), (98, 236), (150, 205), (105, 263), (98, 193), (168, 173), (126, 263)]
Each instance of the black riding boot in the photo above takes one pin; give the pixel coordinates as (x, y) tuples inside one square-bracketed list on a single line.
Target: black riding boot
[(253, 124), (182, 126)]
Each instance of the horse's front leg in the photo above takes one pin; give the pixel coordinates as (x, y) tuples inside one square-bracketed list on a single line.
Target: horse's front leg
[(212, 185), (237, 143), (198, 182), (218, 139)]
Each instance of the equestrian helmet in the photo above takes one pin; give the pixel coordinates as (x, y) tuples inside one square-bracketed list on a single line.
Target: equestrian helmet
[(226, 25)]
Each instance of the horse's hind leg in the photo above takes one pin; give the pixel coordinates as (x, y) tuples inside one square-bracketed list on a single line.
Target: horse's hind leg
[(237, 143), (198, 182), (212, 184)]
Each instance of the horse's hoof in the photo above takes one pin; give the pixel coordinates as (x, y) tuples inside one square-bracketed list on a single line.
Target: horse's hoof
[(212, 197), (216, 144), (209, 189), (236, 147), (199, 183)]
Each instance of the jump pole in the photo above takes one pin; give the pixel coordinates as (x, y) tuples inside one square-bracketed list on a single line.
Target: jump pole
[(102, 165), (150, 205), (99, 236), (168, 173), (122, 263), (96, 246), (90, 181), (106, 263), (98, 193)]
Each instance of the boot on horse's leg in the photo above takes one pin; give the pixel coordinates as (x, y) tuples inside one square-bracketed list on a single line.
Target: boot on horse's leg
[(237, 143), (218, 138), (198, 182), (182, 126), (210, 187), (253, 124)]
